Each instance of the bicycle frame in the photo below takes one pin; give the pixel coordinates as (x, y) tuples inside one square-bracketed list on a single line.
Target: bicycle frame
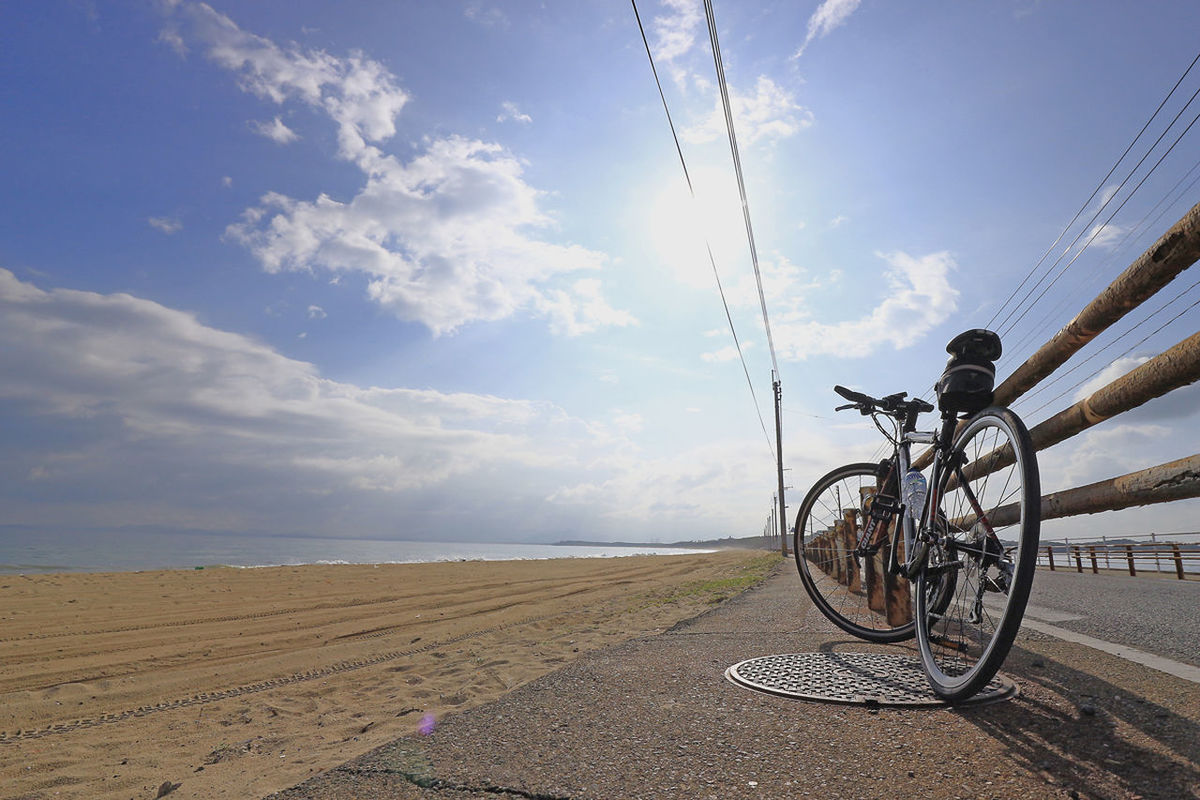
[(917, 533)]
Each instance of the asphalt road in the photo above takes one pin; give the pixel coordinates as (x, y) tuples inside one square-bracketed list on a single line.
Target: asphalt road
[(1156, 615)]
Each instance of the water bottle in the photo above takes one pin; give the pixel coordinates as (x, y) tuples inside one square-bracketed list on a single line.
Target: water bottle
[(913, 492)]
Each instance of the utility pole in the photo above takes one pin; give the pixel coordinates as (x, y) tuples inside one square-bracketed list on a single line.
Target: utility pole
[(779, 462), (771, 517)]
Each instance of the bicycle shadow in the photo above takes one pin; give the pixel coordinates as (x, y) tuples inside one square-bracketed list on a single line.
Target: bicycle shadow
[(1093, 737)]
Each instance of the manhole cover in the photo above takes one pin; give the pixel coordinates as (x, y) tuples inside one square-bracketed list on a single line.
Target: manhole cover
[(854, 678)]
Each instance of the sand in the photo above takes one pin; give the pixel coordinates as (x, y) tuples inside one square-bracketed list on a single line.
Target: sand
[(240, 682)]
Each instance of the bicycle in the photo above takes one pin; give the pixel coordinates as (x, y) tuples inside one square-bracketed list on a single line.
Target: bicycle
[(959, 565)]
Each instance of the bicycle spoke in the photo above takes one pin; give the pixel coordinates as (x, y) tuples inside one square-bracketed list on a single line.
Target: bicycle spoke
[(832, 525), (963, 644)]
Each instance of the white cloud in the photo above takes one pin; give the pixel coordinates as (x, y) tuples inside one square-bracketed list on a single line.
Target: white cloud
[(830, 15), (1107, 375), (275, 130), (172, 39), (769, 114), (1105, 236), (1113, 449), (447, 238), (678, 489), (727, 353), (227, 181), (358, 93), (510, 113), (133, 413), (167, 225), (581, 310), (316, 312), (153, 389), (675, 32), (628, 422), (838, 221), (485, 14), (916, 295)]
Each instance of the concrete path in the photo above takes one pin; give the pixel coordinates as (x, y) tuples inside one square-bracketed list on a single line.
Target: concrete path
[(656, 718)]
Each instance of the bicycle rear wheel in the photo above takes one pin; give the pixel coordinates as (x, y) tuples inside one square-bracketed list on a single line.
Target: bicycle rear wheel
[(990, 513), (828, 526)]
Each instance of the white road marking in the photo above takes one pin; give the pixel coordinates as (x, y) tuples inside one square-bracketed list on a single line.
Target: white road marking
[(1176, 668), (995, 603), (1049, 614)]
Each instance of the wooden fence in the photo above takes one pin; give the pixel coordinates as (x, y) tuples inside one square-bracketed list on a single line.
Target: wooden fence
[(1174, 252)]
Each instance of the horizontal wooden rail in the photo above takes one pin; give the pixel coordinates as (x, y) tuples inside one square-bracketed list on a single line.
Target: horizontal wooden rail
[(1177, 480), (1175, 251), (1175, 368)]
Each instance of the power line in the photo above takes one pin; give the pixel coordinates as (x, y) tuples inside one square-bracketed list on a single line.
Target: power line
[(1166, 203), (1129, 350), (1099, 186), (737, 168), (691, 191), (1096, 231), (1046, 386)]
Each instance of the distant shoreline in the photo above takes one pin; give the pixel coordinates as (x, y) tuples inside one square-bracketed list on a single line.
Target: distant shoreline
[(746, 543)]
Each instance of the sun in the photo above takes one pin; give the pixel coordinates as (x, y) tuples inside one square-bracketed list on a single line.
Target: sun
[(678, 226)]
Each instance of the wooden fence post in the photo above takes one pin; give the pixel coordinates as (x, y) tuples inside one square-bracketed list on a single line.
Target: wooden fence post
[(1178, 561), (875, 568), (1129, 558), (838, 545), (898, 598), (850, 534), (1078, 561), (1092, 553), (1050, 556)]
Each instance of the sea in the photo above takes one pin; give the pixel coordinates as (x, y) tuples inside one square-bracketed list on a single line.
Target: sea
[(38, 551)]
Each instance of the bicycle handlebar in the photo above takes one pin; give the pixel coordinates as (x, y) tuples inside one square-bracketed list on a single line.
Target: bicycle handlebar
[(891, 404)]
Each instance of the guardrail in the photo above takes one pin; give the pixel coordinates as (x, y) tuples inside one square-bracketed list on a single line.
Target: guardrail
[(1183, 560)]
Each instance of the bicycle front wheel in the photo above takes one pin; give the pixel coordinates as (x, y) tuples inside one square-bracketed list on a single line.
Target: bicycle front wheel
[(989, 515), (835, 573)]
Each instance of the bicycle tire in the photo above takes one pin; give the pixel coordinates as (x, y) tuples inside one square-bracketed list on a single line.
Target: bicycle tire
[(964, 643), (827, 567)]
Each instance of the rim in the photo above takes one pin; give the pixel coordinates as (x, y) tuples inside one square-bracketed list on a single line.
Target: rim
[(958, 643), (837, 579)]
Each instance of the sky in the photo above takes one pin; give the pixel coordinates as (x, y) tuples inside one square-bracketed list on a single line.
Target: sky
[(431, 271)]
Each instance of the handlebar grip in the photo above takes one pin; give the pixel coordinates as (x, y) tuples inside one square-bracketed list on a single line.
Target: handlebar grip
[(853, 396)]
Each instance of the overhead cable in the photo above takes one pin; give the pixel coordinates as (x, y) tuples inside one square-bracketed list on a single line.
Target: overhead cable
[(691, 191), (1129, 350), (1045, 386), (1165, 204), (737, 167), (1099, 186), (1097, 230)]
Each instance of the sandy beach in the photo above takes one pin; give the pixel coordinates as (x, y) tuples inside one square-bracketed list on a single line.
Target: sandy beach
[(240, 682)]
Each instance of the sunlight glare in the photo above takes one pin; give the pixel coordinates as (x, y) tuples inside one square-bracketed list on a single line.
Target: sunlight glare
[(678, 226)]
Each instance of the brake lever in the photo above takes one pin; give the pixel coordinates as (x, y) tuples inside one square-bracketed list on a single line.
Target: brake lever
[(848, 405)]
